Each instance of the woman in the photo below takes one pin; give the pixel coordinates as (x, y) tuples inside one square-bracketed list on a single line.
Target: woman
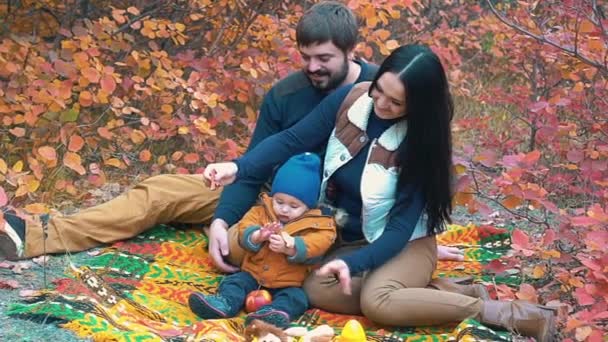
[(389, 161)]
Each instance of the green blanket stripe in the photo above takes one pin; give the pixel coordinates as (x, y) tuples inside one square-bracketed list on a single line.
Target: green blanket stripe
[(125, 264), (53, 309), (167, 233)]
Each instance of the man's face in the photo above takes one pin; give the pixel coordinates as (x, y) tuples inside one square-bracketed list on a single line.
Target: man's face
[(325, 65)]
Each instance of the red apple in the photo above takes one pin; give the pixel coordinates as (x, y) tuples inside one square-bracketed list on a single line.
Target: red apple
[(256, 299)]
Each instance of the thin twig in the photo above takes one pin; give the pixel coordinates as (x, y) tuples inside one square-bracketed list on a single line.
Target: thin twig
[(602, 67)]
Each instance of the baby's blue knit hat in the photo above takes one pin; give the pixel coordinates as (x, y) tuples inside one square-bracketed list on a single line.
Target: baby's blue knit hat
[(300, 177)]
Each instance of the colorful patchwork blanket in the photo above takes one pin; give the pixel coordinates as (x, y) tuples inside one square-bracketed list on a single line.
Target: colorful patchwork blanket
[(138, 291)]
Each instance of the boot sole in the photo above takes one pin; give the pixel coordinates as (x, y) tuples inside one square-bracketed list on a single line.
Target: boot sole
[(199, 305)]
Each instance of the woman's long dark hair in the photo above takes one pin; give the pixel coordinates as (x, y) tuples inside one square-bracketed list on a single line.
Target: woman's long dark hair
[(425, 156)]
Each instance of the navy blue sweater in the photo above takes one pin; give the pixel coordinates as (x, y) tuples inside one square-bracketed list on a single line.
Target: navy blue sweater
[(311, 133), (290, 100)]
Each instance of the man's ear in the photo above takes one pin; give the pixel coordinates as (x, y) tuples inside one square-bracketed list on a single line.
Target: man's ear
[(350, 54)]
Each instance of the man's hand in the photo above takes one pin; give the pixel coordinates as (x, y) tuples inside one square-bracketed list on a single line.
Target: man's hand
[(218, 245), (220, 174), (339, 269), (447, 253)]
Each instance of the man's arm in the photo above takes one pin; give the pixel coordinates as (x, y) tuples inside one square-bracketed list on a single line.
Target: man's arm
[(237, 198)]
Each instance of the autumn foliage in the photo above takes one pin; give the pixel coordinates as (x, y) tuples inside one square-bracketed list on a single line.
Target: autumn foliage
[(103, 91)]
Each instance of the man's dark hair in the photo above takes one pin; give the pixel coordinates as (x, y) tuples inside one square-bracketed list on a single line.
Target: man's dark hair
[(328, 21)]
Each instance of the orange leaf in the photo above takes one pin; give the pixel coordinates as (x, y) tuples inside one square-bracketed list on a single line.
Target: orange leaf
[(48, 153), (105, 133), (3, 166), (145, 156), (191, 158), (36, 208), (392, 44), (177, 155), (17, 131), (511, 202), (85, 98), (73, 161), (91, 74), (527, 292), (76, 143), (108, 84)]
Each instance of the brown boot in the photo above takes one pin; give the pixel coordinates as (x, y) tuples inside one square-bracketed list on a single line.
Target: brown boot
[(473, 290), (521, 317)]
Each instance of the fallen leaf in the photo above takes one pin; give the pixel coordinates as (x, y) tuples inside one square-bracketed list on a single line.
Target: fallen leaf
[(41, 260), (28, 293), (9, 284)]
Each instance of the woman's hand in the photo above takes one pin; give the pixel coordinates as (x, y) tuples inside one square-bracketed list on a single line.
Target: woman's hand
[(339, 269), (447, 253), (220, 174)]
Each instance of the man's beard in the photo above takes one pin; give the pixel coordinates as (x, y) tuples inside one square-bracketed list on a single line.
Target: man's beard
[(333, 81)]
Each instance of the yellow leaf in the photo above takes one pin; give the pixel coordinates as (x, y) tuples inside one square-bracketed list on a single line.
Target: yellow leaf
[(552, 253), (137, 136), (3, 166), (538, 272), (460, 169), (183, 130), (21, 190), (392, 44), (18, 166), (166, 109), (180, 27), (113, 162), (36, 208), (33, 185)]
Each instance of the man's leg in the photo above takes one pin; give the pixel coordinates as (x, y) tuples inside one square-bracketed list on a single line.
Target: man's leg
[(159, 199)]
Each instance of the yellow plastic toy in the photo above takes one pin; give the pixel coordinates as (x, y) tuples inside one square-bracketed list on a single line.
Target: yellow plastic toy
[(352, 332)]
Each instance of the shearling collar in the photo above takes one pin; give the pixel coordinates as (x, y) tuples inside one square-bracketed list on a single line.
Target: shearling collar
[(359, 114)]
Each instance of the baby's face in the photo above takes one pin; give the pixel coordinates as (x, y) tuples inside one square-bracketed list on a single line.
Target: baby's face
[(287, 207)]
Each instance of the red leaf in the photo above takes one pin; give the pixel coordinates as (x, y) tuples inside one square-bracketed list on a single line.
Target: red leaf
[(575, 156), (549, 237), (191, 158), (9, 284), (583, 297), (521, 239), (496, 266)]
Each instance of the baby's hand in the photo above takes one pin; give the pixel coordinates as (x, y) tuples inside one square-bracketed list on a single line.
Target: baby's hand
[(277, 244)]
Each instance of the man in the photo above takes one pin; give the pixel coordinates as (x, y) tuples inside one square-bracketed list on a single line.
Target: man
[(326, 37)]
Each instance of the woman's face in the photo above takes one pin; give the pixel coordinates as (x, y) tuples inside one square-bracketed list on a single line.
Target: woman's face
[(389, 96)]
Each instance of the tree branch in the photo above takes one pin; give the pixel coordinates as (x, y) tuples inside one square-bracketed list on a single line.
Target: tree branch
[(602, 67)]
